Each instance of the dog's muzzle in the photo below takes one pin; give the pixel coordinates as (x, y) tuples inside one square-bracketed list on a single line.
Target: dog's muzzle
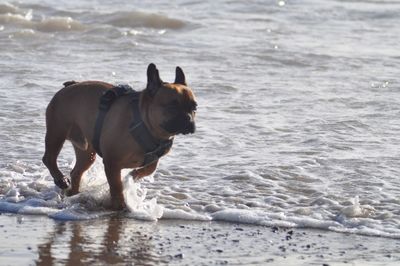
[(181, 124)]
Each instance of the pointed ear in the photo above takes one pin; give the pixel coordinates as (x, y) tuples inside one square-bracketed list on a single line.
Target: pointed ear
[(153, 79), (179, 76)]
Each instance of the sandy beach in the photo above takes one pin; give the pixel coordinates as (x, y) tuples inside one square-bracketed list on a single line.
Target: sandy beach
[(37, 240)]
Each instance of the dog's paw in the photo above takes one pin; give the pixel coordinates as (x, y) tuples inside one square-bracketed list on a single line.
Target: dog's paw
[(135, 175), (118, 206), (70, 192), (63, 183)]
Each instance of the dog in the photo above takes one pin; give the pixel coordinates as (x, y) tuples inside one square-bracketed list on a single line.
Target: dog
[(163, 111)]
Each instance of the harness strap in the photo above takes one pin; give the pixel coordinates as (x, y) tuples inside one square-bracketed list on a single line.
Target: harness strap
[(106, 100), (153, 148)]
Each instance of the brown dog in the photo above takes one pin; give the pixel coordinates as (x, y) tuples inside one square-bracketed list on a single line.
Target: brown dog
[(165, 110)]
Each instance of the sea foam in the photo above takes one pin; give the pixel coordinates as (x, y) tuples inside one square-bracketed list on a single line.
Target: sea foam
[(139, 207), (42, 197)]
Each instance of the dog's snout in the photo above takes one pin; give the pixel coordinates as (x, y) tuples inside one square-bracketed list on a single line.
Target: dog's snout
[(183, 123), (190, 126), (193, 128)]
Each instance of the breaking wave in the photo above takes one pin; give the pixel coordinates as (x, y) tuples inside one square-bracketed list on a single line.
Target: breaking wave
[(133, 19), (13, 16), (51, 24)]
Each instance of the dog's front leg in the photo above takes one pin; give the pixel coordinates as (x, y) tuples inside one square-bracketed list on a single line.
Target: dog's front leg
[(144, 171), (113, 173)]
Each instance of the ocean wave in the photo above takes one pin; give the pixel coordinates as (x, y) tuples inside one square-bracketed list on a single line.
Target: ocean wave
[(54, 24), (8, 8), (60, 21), (51, 24), (133, 19), (16, 20)]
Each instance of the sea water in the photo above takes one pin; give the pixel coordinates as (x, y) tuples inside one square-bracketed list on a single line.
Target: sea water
[(298, 108)]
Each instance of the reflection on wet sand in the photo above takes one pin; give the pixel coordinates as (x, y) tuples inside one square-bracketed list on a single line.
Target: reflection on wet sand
[(114, 241), (26, 240)]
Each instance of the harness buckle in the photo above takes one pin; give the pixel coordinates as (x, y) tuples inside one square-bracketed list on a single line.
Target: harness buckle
[(161, 150)]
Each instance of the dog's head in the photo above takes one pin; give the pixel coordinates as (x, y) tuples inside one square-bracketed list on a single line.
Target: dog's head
[(171, 107)]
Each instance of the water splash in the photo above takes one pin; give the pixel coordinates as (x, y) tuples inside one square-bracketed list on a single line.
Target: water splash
[(357, 210), (139, 207)]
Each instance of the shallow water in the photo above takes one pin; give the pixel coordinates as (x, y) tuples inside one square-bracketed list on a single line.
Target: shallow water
[(298, 115)]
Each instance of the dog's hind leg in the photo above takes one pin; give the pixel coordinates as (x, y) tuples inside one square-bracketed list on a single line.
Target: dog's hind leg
[(54, 141), (77, 138), (84, 159)]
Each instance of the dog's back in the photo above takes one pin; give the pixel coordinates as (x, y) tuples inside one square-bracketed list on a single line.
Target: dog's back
[(72, 110)]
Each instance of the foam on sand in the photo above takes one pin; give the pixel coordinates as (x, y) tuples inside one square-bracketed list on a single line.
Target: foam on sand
[(29, 190)]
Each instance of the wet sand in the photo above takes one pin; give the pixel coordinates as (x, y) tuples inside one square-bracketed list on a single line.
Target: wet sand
[(30, 240)]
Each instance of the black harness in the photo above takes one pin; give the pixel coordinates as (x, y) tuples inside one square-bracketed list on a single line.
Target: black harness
[(153, 148)]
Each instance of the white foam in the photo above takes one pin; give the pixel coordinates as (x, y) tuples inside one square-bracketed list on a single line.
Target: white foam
[(76, 212), (17, 168), (13, 195), (359, 225), (40, 197), (36, 210), (251, 217), (309, 222), (367, 232), (357, 210), (184, 215), (139, 207)]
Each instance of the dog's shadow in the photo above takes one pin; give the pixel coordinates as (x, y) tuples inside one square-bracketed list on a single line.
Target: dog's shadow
[(114, 240)]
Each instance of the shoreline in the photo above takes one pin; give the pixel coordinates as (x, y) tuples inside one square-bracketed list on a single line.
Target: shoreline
[(28, 240)]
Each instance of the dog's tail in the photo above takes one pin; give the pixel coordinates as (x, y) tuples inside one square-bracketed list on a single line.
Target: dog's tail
[(69, 83)]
